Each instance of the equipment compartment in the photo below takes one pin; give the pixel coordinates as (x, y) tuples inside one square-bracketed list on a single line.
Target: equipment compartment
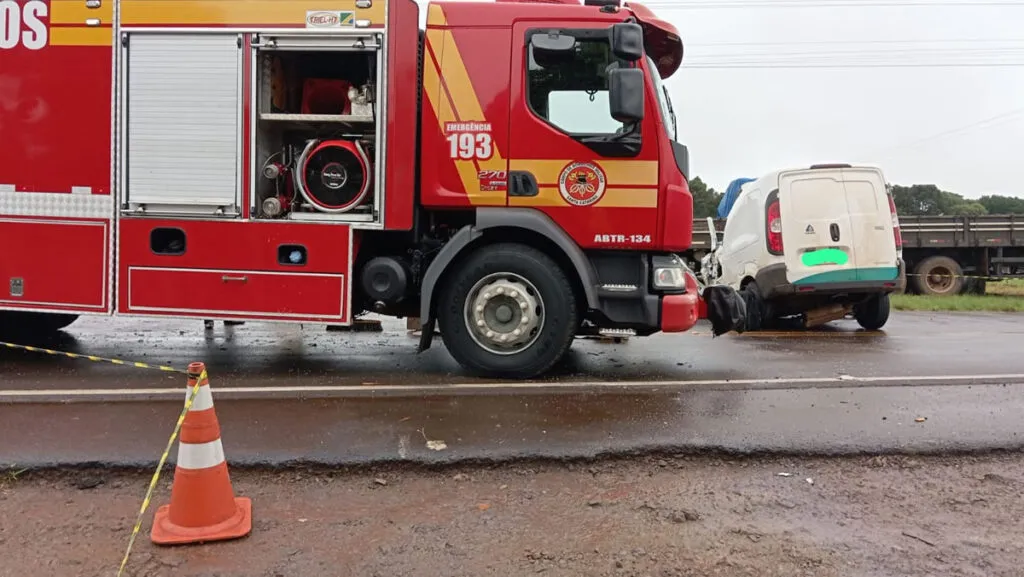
[(181, 123), (51, 264), (227, 293), (292, 271), (316, 127)]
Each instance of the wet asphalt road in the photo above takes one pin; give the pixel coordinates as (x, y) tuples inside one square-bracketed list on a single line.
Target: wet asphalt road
[(289, 394)]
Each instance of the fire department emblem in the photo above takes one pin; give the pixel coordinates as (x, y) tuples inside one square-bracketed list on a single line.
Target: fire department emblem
[(581, 183)]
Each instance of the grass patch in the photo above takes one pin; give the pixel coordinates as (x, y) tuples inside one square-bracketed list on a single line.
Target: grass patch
[(1005, 296), (1008, 287), (963, 303)]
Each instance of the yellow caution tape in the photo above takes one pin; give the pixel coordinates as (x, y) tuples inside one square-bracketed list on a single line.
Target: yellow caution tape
[(93, 358), (969, 276), (156, 474), (170, 442)]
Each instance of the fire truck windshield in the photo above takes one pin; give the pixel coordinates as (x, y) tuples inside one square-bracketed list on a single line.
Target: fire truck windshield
[(668, 114), (571, 94)]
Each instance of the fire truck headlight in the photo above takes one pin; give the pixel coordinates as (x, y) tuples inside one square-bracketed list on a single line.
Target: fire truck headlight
[(669, 278)]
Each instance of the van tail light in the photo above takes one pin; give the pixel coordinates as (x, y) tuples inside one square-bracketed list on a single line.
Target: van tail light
[(896, 232), (774, 227)]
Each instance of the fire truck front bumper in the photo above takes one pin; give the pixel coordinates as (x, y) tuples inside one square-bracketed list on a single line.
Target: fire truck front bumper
[(680, 311)]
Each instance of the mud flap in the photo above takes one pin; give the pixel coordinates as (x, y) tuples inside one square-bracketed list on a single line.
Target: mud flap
[(726, 309), (426, 335)]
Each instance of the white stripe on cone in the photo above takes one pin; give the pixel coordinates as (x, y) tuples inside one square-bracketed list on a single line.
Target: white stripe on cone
[(203, 400), (200, 455)]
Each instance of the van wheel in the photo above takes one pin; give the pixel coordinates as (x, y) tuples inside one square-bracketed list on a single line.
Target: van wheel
[(508, 311), (939, 276), (874, 313), (755, 307)]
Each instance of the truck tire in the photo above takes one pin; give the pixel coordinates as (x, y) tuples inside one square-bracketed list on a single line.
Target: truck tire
[(33, 324), (482, 312), (939, 276), (874, 313)]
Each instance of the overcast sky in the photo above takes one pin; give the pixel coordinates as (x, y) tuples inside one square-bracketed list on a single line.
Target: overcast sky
[(957, 127)]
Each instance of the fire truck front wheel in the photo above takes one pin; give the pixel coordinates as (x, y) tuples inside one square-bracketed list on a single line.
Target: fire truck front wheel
[(507, 311)]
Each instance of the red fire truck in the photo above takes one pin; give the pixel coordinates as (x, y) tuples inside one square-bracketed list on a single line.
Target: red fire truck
[(510, 171)]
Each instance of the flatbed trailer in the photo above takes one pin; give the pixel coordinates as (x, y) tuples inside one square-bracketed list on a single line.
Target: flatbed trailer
[(945, 255)]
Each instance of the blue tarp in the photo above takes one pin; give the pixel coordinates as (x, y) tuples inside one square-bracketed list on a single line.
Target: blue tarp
[(730, 196)]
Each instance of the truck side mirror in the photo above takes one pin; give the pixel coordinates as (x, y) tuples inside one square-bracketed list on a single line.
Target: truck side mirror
[(626, 94), (553, 48), (627, 40)]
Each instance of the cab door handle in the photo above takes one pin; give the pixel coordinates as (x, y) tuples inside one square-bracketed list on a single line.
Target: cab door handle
[(522, 183), (833, 229)]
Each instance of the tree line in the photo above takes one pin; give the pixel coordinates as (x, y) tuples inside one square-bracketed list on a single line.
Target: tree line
[(913, 200)]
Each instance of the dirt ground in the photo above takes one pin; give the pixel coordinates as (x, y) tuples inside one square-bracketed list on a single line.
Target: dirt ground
[(658, 517)]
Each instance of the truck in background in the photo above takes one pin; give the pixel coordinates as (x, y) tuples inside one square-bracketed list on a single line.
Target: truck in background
[(511, 172)]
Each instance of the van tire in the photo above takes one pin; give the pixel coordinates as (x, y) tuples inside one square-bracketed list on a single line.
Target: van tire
[(873, 313), (939, 286), (754, 320), (539, 280)]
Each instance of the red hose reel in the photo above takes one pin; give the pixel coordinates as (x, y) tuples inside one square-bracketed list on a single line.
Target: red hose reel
[(334, 175)]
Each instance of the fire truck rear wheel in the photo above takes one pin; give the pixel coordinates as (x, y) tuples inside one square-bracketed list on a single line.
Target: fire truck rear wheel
[(508, 311), (33, 324)]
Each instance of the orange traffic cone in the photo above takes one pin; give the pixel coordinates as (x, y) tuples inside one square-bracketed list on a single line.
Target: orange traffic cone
[(203, 504)]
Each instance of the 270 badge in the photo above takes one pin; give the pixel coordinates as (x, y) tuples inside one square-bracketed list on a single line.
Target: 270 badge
[(492, 180)]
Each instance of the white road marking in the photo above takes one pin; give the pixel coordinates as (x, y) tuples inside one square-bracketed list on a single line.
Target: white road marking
[(175, 392)]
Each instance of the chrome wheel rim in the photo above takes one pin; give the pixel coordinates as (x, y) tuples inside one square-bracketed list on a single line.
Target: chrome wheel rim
[(504, 313)]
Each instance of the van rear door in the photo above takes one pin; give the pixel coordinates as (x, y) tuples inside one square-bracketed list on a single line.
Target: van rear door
[(818, 236), (871, 223)]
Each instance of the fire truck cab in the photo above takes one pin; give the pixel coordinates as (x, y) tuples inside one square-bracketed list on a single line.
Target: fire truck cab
[(509, 172)]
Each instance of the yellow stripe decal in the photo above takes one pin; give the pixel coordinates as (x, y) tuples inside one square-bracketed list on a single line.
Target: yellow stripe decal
[(435, 16), (239, 12), (443, 110), (612, 198), (81, 36), (617, 172), (466, 106), (76, 12)]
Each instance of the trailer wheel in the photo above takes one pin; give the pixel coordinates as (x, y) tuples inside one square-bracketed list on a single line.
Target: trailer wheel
[(508, 311), (874, 313), (939, 276)]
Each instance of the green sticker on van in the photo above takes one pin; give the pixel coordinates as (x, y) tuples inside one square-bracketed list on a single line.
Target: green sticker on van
[(824, 256)]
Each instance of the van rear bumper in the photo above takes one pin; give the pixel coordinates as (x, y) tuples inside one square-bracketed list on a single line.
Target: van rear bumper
[(772, 283)]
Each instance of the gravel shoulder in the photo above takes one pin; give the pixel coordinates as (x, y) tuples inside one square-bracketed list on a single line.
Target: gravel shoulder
[(658, 517)]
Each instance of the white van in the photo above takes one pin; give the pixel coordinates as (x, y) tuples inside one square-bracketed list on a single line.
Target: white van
[(821, 242)]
